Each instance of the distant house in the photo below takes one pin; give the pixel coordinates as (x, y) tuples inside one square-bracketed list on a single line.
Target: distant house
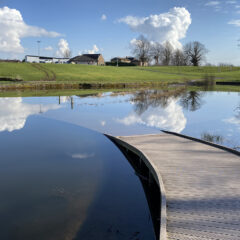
[(120, 60), (126, 60), (144, 62), (41, 59), (131, 58), (136, 62), (88, 59)]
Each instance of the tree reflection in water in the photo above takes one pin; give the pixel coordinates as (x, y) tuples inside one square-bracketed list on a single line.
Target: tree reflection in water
[(189, 100), (192, 100), (238, 112), (154, 98), (212, 138)]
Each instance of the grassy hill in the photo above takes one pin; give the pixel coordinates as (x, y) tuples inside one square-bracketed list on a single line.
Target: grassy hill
[(67, 73)]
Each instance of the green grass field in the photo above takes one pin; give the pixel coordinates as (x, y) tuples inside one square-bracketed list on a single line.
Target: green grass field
[(223, 74), (64, 73)]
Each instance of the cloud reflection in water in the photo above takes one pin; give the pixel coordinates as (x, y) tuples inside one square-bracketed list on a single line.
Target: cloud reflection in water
[(83, 155), (233, 120), (169, 118), (14, 112)]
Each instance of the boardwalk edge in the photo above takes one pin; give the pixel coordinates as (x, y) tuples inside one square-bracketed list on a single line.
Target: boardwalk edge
[(158, 178), (204, 142)]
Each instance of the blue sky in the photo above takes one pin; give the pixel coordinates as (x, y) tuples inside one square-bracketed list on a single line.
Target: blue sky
[(81, 26)]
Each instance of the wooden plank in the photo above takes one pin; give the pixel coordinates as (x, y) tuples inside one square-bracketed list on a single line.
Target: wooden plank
[(202, 186)]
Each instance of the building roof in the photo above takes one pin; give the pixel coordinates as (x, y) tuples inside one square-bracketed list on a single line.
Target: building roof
[(86, 58), (82, 59), (42, 57), (93, 56), (131, 58)]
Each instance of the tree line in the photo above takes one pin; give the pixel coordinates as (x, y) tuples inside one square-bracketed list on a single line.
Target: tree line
[(193, 53)]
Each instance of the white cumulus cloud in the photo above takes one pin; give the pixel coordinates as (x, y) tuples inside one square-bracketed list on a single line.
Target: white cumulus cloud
[(49, 48), (94, 50), (216, 5), (170, 118), (63, 47), (235, 22), (212, 3), (231, 2), (14, 113), (13, 29), (103, 17), (171, 26)]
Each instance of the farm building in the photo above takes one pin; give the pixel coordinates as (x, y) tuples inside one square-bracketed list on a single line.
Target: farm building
[(120, 60), (41, 59), (126, 60), (144, 62), (89, 59)]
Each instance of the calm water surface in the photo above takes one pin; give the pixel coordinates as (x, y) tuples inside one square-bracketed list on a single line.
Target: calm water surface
[(59, 179), (209, 115)]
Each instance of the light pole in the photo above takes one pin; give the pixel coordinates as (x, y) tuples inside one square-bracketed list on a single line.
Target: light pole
[(38, 48)]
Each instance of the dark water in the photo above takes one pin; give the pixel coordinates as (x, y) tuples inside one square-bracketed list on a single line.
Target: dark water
[(60, 181)]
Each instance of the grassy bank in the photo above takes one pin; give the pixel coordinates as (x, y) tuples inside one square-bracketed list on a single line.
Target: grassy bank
[(70, 76), (67, 73), (223, 74), (86, 92)]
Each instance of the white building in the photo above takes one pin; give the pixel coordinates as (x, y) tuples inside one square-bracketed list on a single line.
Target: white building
[(40, 59)]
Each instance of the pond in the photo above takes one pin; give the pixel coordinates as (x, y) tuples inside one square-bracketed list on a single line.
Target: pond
[(212, 116), (60, 178)]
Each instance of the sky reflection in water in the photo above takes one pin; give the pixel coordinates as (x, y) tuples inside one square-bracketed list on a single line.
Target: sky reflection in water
[(192, 113)]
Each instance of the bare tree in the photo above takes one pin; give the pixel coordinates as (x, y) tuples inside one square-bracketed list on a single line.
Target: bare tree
[(196, 52), (167, 52), (141, 49), (67, 53), (179, 58), (156, 52)]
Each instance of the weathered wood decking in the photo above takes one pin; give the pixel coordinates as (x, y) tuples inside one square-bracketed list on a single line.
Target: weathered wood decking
[(200, 186)]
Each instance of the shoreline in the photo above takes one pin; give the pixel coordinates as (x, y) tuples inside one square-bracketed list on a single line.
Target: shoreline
[(80, 86), (41, 85)]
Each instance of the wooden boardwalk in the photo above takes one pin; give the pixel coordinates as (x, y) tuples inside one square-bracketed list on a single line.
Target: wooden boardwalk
[(200, 186)]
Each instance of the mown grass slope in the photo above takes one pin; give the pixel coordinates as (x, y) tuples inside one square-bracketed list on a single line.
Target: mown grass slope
[(220, 73), (63, 73), (23, 71)]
